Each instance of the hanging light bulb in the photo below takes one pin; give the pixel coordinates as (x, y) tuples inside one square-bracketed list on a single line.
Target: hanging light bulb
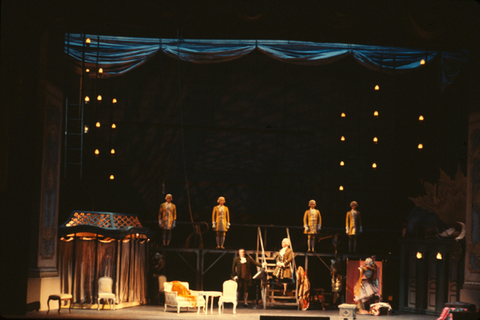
[(85, 129), (112, 177), (420, 146), (114, 125), (422, 62), (97, 124), (87, 70), (342, 138), (377, 87), (99, 98), (375, 114), (340, 188), (419, 255), (97, 152), (343, 115), (88, 41), (374, 166), (421, 118), (439, 256), (342, 163), (112, 151), (114, 100), (100, 71), (87, 99), (375, 140)]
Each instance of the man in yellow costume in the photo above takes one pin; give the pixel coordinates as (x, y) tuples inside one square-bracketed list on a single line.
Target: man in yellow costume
[(220, 222), (167, 217), (312, 223), (353, 226)]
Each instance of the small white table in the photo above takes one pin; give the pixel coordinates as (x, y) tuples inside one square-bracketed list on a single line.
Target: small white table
[(207, 295)]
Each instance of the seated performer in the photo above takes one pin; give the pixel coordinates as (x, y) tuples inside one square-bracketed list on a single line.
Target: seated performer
[(312, 222), (367, 285), (220, 222), (353, 226), (167, 216), (282, 271), (242, 274)]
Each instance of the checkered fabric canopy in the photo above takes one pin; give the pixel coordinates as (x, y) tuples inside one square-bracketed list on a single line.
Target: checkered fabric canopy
[(105, 223)]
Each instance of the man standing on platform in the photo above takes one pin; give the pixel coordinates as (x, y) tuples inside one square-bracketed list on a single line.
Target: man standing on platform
[(353, 226), (167, 217), (312, 223), (220, 221), (242, 274)]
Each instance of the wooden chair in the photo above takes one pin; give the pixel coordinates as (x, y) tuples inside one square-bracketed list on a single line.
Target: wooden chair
[(105, 285), (229, 295)]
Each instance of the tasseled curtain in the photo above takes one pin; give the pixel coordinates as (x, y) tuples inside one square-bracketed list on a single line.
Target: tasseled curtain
[(123, 261), (117, 55)]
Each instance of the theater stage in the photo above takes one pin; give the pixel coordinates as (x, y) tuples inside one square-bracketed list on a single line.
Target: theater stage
[(156, 312)]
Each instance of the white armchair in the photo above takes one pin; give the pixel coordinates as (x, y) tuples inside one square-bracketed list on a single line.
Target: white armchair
[(173, 299), (105, 285), (229, 295)]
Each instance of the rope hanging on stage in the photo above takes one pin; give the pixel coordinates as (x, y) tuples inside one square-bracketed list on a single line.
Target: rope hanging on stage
[(181, 129)]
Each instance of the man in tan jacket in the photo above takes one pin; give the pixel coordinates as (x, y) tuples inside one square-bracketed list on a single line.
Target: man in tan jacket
[(353, 226)]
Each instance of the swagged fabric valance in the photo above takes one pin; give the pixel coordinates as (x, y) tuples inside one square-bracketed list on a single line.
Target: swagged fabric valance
[(117, 55)]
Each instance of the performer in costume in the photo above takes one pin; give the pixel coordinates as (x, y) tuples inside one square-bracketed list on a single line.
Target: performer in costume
[(337, 280), (353, 226), (167, 217), (156, 269), (242, 274), (303, 288), (312, 222), (282, 271), (220, 222), (367, 285)]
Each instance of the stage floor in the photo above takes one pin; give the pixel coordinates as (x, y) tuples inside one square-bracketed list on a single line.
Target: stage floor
[(156, 312)]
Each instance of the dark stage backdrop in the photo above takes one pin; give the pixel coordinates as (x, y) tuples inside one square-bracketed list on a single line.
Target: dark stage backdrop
[(266, 135)]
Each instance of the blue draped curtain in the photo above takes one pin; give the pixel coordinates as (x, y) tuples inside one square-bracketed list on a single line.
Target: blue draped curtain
[(117, 55)]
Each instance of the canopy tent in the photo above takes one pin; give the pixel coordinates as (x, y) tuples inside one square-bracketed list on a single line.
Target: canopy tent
[(97, 244), (117, 55)]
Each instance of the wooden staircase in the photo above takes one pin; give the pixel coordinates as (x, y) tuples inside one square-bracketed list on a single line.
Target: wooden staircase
[(273, 292)]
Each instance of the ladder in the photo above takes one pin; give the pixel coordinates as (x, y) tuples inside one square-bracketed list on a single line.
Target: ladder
[(74, 130)]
